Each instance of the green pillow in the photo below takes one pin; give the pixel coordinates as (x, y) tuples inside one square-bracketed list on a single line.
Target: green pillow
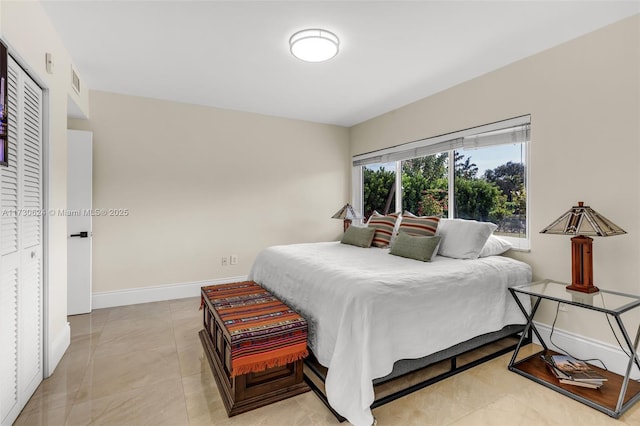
[(358, 236), (415, 246)]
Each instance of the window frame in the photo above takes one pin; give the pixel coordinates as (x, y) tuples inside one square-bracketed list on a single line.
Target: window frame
[(384, 155)]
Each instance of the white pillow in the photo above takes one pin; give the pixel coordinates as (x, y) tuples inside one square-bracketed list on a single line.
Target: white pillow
[(495, 246), (395, 230), (463, 239)]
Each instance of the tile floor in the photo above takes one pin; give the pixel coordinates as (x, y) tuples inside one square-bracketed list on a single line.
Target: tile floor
[(144, 365)]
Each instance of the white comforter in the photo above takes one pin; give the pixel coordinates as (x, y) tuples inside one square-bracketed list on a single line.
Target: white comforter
[(367, 309)]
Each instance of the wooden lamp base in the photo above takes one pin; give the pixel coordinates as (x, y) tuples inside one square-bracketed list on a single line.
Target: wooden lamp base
[(582, 265), (583, 288)]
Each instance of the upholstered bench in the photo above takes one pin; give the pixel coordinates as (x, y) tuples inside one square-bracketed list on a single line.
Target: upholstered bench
[(255, 345)]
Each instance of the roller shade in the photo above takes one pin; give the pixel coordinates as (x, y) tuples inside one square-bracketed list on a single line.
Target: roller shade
[(514, 130), (512, 135)]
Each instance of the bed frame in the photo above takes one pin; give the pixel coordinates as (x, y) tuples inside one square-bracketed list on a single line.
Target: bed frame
[(410, 375)]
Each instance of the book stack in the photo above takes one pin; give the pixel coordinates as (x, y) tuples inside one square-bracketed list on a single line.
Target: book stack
[(571, 371)]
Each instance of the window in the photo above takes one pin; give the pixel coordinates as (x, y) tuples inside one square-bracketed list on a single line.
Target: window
[(477, 174), (490, 187), (425, 185), (378, 188)]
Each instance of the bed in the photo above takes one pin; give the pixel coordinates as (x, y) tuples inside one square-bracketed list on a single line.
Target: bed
[(367, 309)]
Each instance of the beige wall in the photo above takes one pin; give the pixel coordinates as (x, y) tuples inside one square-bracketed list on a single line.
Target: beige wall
[(27, 31), (201, 183), (584, 101)]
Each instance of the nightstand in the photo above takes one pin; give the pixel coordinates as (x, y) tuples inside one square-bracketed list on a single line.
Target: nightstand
[(619, 392)]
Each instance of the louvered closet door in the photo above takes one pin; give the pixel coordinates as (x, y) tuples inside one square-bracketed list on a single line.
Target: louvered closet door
[(21, 248), (9, 263), (30, 232)]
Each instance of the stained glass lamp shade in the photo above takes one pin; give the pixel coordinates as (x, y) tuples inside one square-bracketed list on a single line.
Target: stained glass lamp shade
[(583, 222), (347, 214)]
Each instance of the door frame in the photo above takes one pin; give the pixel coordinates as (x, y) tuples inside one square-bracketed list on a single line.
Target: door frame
[(47, 368)]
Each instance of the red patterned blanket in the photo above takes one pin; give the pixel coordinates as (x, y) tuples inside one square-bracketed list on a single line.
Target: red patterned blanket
[(264, 331)]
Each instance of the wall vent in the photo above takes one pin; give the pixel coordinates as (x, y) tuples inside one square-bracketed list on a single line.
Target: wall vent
[(75, 81)]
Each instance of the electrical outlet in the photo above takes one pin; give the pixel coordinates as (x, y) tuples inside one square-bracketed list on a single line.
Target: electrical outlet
[(233, 259), (564, 308), (225, 260)]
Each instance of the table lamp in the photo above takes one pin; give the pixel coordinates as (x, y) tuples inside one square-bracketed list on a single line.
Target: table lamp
[(347, 214), (583, 222)]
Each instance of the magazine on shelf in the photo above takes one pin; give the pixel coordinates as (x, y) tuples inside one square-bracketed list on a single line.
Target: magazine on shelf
[(576, 370), (582, 384), (568, 377)]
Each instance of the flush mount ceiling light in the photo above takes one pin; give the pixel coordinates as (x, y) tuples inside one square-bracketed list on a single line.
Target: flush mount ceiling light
[(314, 45)]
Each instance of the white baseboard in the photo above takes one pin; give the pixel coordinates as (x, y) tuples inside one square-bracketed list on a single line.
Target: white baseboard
[(585, 348), (133, 296), (56, 349)]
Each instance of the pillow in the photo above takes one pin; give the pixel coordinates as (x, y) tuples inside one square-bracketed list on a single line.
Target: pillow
[(416, 247), (384, 226), (396, 228), (360, 236), (418, 225), (463, 239), (495, 246)]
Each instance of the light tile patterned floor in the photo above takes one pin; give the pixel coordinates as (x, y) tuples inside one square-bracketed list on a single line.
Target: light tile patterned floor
[(144, 365)]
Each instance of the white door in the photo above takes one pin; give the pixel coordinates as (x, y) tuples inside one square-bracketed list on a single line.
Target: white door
[(79, 195), (21, 248)]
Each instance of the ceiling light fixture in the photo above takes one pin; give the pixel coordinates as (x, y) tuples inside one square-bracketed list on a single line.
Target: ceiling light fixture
[(314, 45)]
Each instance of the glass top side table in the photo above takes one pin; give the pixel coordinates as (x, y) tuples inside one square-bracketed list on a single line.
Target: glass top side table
[(618, 393)]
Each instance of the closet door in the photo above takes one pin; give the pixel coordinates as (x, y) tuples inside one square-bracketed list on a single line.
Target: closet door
[(21, 248), (30, 233), (9, 262)]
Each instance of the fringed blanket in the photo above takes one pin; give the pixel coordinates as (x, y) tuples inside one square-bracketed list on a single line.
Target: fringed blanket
[(264, 332)]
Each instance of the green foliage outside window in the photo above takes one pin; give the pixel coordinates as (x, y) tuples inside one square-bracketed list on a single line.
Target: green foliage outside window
[(498, 196), (378, 190), (425, 185)]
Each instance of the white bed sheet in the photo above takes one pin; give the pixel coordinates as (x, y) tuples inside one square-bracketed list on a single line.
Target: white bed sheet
[(367, 309)]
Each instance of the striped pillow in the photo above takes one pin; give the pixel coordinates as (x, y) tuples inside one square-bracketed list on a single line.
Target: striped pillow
[(419, 225), (384, 228)]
